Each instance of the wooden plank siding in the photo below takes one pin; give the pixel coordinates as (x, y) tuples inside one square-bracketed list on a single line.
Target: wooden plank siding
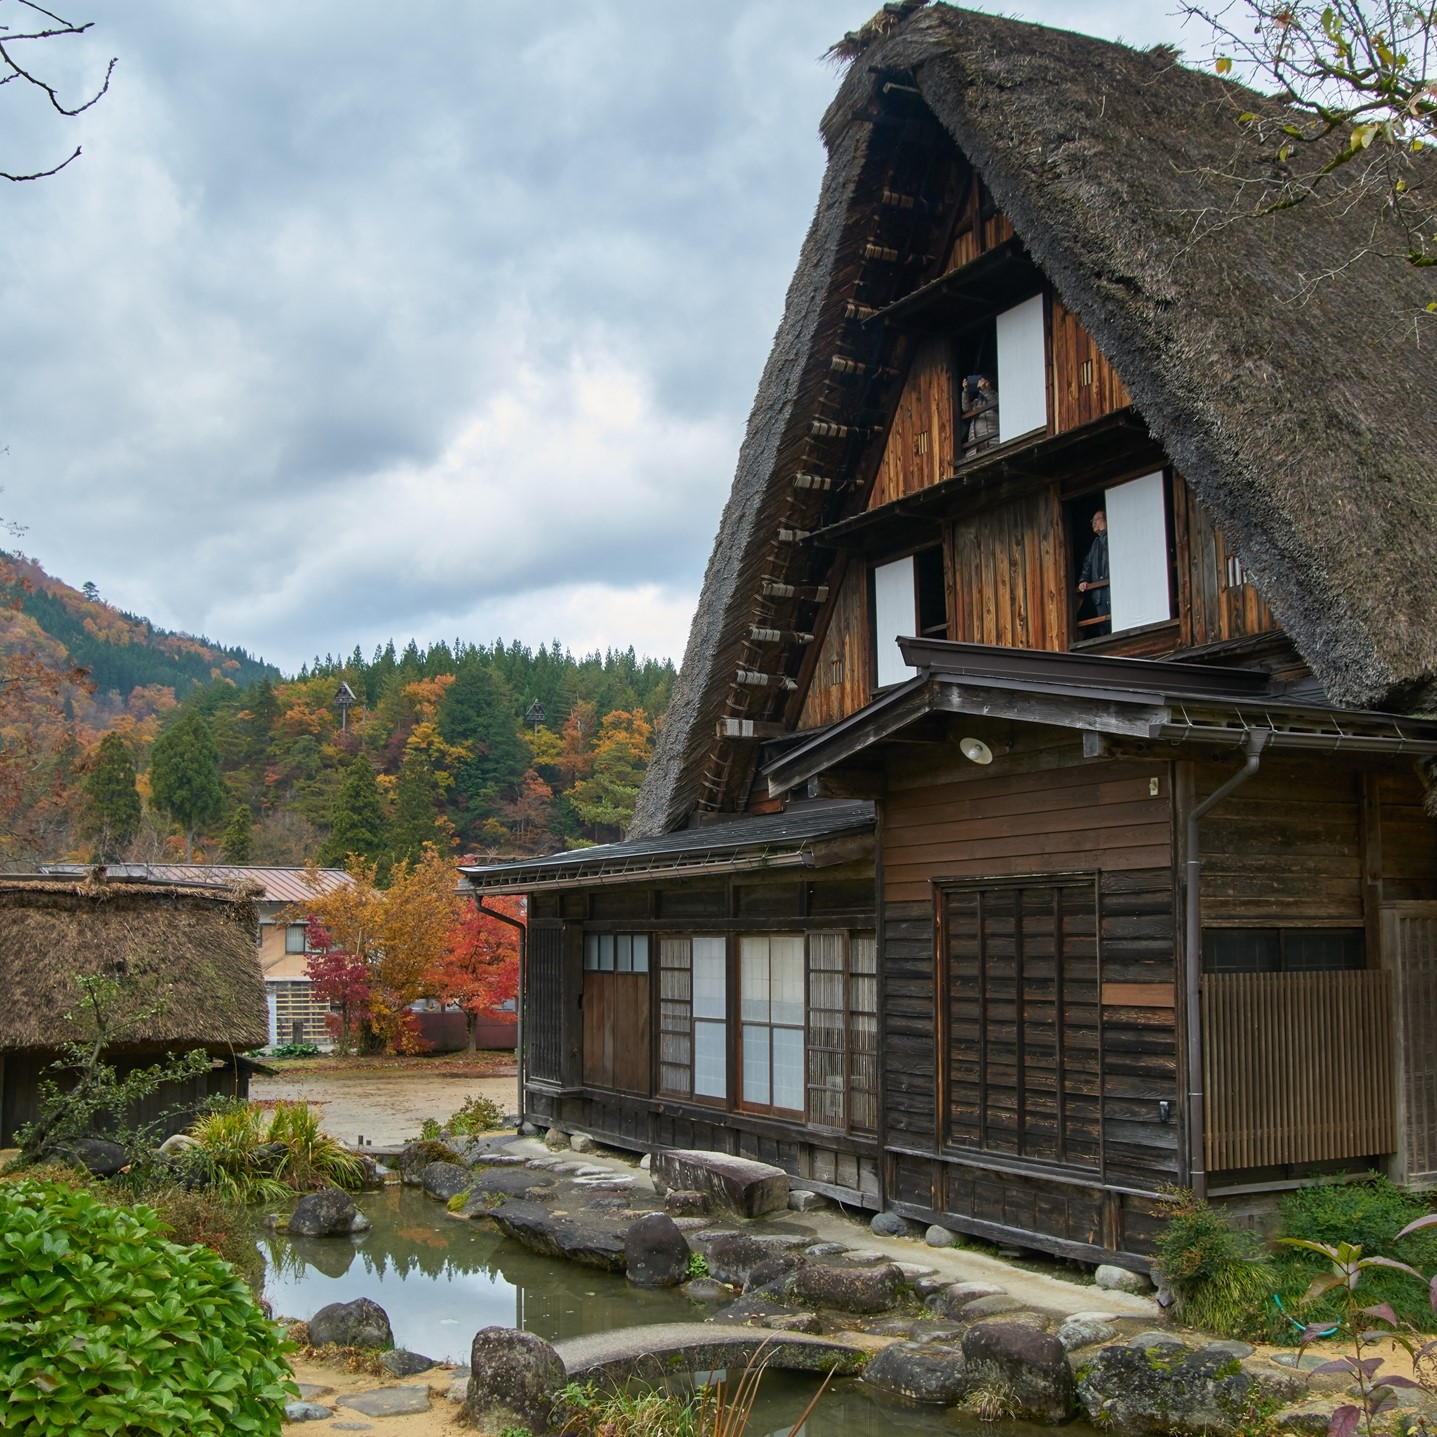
[(842, 679), (1007, 575), (996, 824), (1044, 1156), (616, 1031), (1216, 608), (1407, 839), (920, 449), (1082, 385), (980, 227), (1285, 847)]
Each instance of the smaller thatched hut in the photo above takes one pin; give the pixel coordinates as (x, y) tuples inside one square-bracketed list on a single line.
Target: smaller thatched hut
[(188, 974)]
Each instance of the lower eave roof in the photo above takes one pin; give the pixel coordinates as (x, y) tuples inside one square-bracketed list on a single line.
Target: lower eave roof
[(806, 835), (1151, 699)]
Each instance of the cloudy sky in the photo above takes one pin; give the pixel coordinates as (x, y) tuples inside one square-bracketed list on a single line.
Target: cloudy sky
[(358, 321)]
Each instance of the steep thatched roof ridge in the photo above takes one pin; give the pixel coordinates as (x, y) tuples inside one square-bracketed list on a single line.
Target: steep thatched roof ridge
[(187, 952), (708, 664), (1304, 424)]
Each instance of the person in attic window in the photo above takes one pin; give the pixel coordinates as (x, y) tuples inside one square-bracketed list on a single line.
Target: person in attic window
[(980, 413), (1093, 582)]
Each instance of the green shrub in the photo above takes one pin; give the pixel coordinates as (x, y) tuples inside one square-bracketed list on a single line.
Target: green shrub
[(1368, 1215), (107, 1327), (429, 1130), (295, 1050), (698, 1265), (1221, 1277), (478, 1115), (227, 1229), (247, 1154)]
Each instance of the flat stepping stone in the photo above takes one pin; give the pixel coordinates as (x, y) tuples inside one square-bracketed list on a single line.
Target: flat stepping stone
[(307, 1412), (712, 1234), (308, 1391), (735, 1184), (591, 1239), (389, 1402), (864, 1257), (913, 1273), (826, 1249), (665, 1347), (510, 1181)]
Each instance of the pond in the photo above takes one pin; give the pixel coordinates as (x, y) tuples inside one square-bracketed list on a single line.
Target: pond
[(440, 1280)]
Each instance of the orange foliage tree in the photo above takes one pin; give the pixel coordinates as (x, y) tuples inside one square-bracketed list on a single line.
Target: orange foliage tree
[(379, 947), (480, 967)]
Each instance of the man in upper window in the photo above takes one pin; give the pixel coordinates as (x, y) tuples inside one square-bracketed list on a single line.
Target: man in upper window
[(1093, 580), (980, 413)]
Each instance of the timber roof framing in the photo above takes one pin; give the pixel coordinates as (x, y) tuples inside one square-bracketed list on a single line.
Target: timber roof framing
[(1305, 430), (1142, 699), (808, 835)]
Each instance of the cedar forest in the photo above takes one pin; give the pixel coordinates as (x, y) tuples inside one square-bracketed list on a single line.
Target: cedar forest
[(122, 741)]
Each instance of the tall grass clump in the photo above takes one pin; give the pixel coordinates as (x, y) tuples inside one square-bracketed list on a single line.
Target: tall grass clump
[(248, 1155), (1221, 1277)]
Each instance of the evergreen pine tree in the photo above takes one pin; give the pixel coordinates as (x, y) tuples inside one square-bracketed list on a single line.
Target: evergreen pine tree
[(185, 776), (112, 803), (236, 839), (359, 825), (415, 808), (479, 710)]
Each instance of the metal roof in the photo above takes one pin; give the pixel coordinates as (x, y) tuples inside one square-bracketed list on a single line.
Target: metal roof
[(791, 839), (277, 885)]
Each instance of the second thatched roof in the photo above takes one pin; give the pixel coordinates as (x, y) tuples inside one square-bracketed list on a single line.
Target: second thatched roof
[(185, 960)]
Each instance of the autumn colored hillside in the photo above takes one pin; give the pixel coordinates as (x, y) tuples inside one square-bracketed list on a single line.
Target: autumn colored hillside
[(170, 746)]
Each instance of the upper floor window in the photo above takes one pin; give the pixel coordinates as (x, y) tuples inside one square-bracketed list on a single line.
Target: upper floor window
[(1122, 567), (909, 601), (1003, 390), (296, 936)]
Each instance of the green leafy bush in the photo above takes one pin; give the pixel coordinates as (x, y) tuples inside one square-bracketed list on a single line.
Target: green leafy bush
[(1368, 1215), (698, 1265), (1221, 1276), (478, 1115), (107, 1327), (295, 1050)]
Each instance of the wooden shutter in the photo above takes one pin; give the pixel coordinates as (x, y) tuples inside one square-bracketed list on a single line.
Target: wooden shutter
[(1023, 1074)]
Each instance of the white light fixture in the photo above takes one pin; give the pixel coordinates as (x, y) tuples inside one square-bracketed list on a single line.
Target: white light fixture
[(975, 750)]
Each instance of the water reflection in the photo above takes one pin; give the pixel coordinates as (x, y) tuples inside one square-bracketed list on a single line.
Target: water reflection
[(440, 1280)]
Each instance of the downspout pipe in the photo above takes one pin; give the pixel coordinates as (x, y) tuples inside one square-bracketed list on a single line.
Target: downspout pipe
[(1192, 955), (523, 928)]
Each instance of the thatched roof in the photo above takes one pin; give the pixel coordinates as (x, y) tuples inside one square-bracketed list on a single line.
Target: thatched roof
[(189, 952), (1302, 418)]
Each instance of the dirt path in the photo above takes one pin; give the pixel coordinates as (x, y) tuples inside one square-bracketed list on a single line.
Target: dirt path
[(383, 1108)]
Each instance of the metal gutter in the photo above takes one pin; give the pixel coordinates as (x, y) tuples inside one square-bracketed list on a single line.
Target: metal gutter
[(1192, 961)]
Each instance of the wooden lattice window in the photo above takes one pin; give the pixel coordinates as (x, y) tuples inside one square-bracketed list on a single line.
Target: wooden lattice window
[(843, 1030), (1023, 1018), (693, 1017)]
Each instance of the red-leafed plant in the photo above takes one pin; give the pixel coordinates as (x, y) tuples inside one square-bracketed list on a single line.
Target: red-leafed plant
[(480, 966)]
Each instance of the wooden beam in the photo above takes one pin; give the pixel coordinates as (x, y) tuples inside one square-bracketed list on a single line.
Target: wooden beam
[(749, 729)]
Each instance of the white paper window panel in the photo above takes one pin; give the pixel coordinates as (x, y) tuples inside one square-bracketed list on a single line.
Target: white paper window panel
[(895, 612), (755, 1064), (710, 1069), (753, 979), (1022, 370), (1138, 553), (785, 978), (788, 1068), (709, 978)]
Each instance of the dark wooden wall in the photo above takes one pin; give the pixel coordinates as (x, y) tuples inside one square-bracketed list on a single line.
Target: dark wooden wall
[(981, 226), (1214, 608), (920, 450), (1041, 809), (1082, 385)]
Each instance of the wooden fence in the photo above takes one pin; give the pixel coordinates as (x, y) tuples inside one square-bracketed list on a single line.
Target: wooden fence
[(1298, 1067)]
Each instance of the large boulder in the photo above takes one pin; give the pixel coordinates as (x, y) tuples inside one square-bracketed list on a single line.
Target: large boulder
[(99, 1157), (921, 1372), (445, 1180), (328, 1213), (1029, 1367), (951, 1300), (586, 1238), (513, 1379), (1151, 1390), (732, 1257), (732, 1184), (1120, 1279), (656, 1253), (415, 1157), (361, 1323), (848, 1289)]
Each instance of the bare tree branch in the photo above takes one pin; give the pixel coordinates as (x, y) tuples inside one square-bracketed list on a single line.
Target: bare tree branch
[(12, 70)]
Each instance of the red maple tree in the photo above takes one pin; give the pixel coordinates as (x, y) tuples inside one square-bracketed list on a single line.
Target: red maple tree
[(480, 966)]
